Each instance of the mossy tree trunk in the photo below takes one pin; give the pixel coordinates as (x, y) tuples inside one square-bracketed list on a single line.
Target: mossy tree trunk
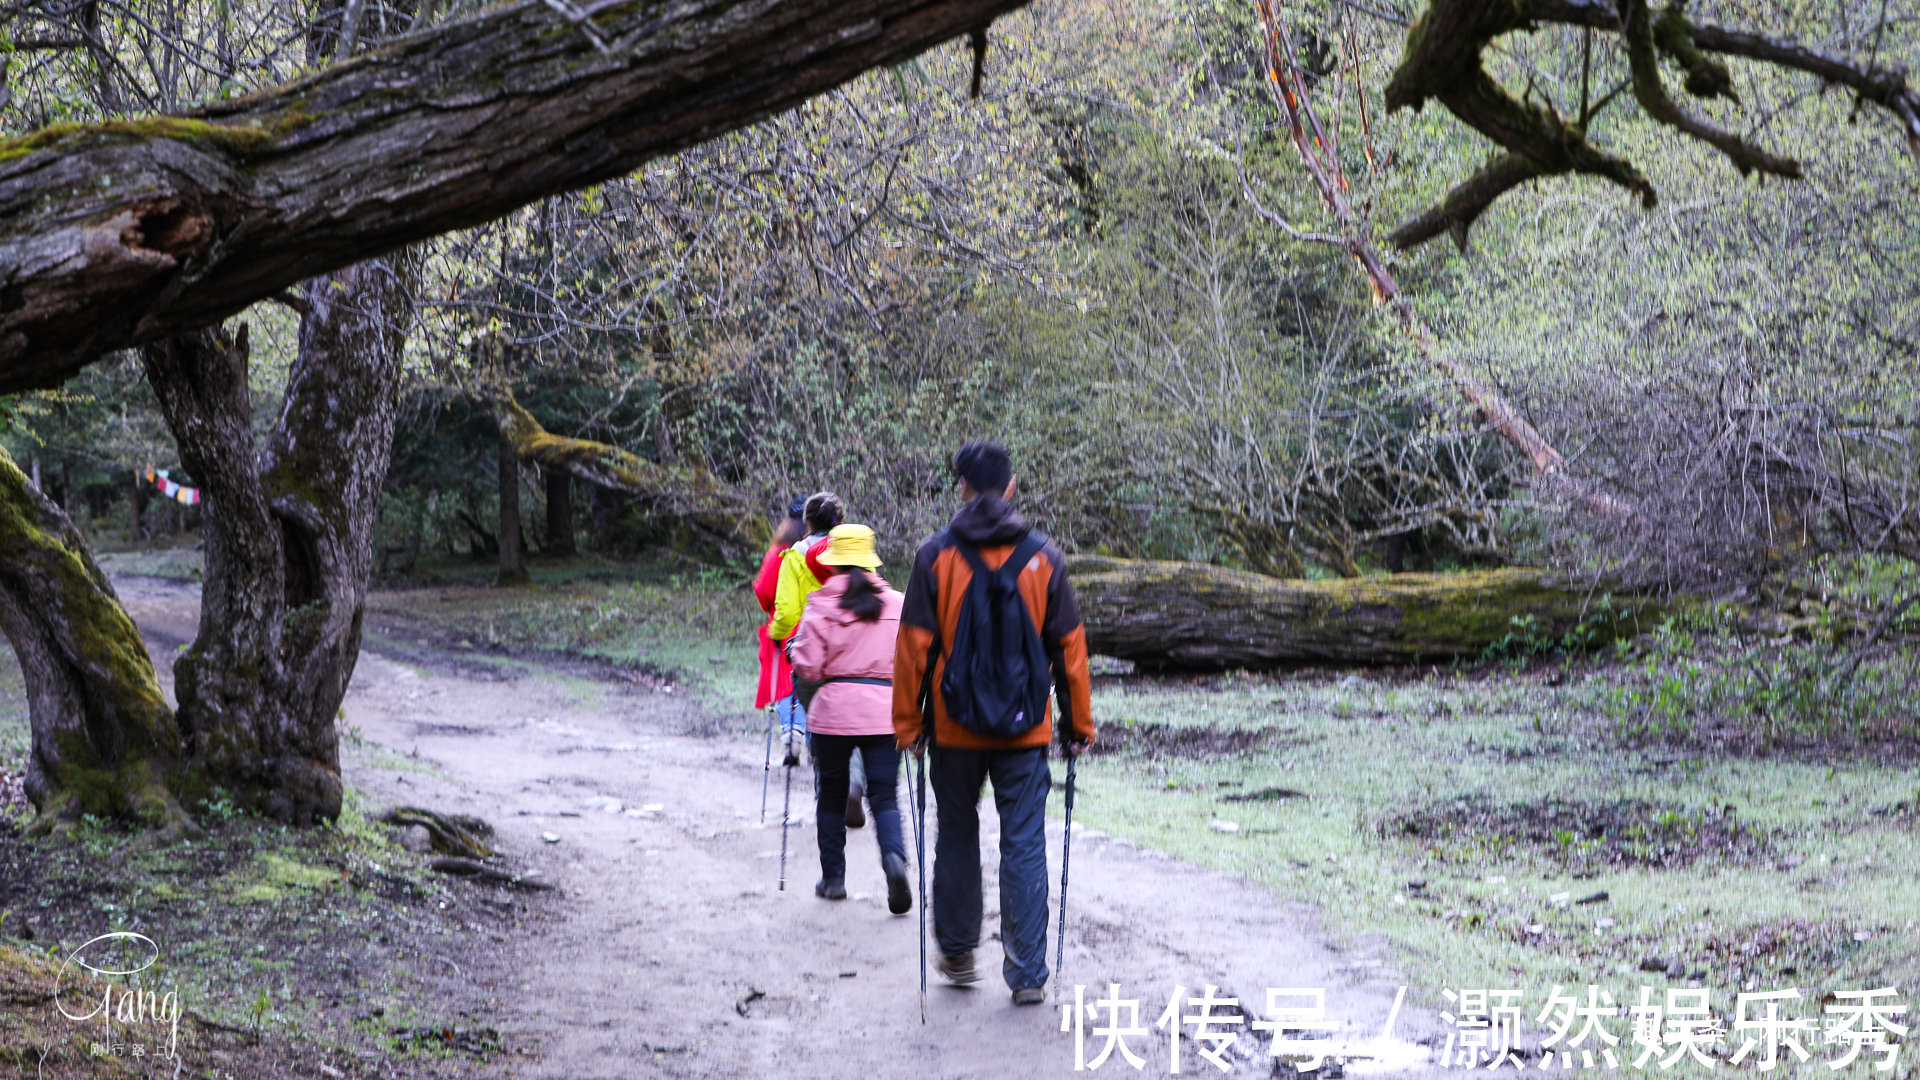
[(715, 512), (104, 741), (1194, 616), (513, 560), (325, 467), (288, 537), (559, 512)]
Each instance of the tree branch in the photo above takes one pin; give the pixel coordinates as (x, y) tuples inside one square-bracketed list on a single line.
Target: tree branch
[(1443, 62), (117, 233), (717, 512), (1644, 61), (1465, 203)]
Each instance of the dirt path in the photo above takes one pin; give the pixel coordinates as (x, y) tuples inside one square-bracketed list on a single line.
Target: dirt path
[(668, 917)]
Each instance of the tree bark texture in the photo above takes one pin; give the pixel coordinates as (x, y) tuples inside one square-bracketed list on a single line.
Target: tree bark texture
[(714, 511), (288, 537), (1194, 616), (559, 512), (129, 231), (104, 741), (513, 560)]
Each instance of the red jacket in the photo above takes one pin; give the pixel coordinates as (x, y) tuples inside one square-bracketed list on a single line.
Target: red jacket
[(776, 678)]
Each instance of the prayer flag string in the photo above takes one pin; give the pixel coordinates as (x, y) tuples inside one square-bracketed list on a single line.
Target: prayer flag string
[(180, 493)]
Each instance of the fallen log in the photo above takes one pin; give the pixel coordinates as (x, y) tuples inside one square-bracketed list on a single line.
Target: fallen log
[(1178, 615)]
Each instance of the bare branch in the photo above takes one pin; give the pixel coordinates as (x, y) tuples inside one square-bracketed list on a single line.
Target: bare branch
[(1465, 203)]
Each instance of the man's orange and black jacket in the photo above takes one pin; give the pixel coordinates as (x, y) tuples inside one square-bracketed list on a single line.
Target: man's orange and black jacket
[(932, 612)]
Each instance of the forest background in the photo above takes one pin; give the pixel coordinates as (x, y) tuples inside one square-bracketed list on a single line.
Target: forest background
[(1075, 262)]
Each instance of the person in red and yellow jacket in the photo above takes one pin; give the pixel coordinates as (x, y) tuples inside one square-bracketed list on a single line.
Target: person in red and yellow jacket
[(961, 760), (776, 676), (798, 576)]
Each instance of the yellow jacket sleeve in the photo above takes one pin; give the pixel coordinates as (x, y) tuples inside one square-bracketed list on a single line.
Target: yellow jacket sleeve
[(790, 596)]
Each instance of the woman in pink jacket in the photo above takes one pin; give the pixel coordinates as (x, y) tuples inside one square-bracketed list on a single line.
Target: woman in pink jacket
[(844, 643)]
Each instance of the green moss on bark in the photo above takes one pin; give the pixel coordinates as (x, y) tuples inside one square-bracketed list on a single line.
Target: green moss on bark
[(1193, 615), (105, 741), (237, 140)]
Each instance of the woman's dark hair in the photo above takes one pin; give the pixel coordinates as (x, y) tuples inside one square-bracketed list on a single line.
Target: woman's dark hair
[(824, 512), (862, 596), (788, 533)]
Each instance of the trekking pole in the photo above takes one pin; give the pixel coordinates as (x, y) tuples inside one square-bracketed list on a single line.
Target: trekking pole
[(920, 857), (766, 777), (786, 815), (1066, 853)]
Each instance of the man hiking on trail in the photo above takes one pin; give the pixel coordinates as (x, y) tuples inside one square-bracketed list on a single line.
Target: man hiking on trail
[(977, 651)]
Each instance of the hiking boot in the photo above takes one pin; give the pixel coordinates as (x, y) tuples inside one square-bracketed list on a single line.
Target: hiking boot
[(958, 969), (856, 814), (899, 896), (794, 741), (830, 889), (1032, 995)]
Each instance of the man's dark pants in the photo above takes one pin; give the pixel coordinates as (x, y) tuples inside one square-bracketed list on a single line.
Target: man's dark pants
[(1021, 781), (833, 754)]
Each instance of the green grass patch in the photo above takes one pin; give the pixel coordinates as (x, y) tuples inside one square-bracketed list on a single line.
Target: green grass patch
[(1463, 818), (671, 625), (16, 733), (276, 933), (184, 563)]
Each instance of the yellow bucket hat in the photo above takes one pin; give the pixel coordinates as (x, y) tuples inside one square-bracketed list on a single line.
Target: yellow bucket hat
[(851, 545)]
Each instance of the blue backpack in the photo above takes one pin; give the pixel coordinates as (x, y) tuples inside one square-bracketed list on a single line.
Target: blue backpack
[(997, 676)]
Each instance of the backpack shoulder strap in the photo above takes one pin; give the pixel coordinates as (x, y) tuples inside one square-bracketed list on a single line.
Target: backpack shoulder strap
[(968, 552), (1023, 553), (927, 724)]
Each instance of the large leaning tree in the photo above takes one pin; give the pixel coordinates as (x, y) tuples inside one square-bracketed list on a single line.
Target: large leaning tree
[(149, 232)]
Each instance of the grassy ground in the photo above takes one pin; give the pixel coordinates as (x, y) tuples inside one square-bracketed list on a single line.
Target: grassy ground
[(285, 948), (674, 625), (1448, 813)]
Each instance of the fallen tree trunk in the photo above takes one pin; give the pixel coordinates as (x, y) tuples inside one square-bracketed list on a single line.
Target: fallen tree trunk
[(128, 231), (1194, 616), (715, 512)]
